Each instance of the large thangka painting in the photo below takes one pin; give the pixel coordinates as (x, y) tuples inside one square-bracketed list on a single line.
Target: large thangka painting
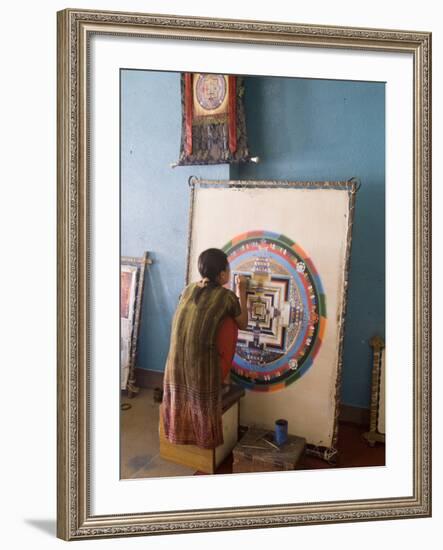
[(287, 310), (292, 241)]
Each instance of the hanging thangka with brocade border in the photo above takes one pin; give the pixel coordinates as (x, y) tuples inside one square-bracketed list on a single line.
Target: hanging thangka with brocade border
[(213, 119)]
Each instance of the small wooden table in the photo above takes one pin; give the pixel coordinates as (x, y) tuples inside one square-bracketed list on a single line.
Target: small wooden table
[(257, 452)]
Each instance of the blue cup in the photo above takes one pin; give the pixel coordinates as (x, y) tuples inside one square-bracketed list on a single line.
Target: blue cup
[(281, 431)]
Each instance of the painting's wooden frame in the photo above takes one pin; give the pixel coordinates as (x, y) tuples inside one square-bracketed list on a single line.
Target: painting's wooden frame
[(75, 28)]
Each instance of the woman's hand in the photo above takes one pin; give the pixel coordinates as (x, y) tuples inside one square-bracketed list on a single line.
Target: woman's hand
[(241, 284)]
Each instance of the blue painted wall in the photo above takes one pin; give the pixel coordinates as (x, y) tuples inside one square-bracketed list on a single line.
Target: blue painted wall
[(301, 129), (332, 130), (155, 200)]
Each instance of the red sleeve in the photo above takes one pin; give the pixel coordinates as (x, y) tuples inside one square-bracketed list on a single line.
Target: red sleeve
[(226, 342)]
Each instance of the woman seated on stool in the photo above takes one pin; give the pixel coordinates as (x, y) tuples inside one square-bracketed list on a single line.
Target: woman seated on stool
[(203, 339)]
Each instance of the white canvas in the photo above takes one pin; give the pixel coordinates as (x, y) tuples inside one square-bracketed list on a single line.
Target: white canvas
[(316, 219)]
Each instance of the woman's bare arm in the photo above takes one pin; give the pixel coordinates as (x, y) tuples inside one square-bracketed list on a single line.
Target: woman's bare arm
[(241, 286)]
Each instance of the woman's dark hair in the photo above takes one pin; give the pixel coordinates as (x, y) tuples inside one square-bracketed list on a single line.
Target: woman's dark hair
[(211, 263)]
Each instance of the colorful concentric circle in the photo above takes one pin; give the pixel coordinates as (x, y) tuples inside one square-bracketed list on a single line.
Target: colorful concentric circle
[(287, 310)]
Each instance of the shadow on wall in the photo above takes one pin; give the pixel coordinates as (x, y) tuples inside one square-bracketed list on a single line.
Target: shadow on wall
[(281, 131), (48, 526)]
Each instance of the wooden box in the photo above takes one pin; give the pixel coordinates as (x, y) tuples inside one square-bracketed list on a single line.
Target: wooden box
[(207, 460), (257, 452)]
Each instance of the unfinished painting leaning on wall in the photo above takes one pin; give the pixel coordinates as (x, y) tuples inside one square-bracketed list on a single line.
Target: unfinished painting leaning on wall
[(132, 272), (292, 241)]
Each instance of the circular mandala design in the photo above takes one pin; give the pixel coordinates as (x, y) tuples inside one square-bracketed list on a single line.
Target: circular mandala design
[(287, 310), (210, 91)]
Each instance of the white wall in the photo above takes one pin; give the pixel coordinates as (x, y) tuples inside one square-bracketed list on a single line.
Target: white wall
[(27, 220)]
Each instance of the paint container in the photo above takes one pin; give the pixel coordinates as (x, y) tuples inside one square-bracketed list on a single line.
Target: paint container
[(281, 431)]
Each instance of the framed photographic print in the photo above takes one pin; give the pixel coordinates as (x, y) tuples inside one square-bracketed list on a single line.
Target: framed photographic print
[(322, 104)]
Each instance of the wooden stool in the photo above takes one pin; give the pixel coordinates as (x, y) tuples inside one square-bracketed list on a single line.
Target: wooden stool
[(207, 460), (257, 452)]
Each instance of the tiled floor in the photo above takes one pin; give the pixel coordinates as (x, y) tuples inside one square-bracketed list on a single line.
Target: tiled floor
[(140, 445)]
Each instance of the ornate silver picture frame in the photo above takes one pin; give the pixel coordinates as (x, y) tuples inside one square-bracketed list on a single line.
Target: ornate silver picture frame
[(77, 207)]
